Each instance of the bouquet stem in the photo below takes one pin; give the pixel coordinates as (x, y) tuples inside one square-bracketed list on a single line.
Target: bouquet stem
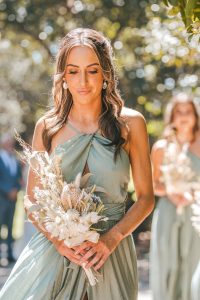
[(91, 277)]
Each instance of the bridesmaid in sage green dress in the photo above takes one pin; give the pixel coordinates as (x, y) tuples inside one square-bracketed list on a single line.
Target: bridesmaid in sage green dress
[(196, 277), (175, 245), (94, 134)]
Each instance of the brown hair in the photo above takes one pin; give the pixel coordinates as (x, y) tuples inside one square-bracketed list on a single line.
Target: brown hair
[(110, 121), (170, 131)]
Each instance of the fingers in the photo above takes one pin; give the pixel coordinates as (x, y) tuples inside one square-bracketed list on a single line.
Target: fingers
[(76, 261), (69, 253), (72, 254), (78, 251), (75, 254), (100, 264), (94, 261), (83, 247), (95, 257), (88, 255), (72, 257)]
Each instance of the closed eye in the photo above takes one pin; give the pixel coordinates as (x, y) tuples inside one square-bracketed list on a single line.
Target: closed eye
[(93, 72), (72, 72)]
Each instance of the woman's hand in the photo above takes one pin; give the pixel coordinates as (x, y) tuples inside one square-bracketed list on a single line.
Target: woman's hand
[(12, 195), (68, 252), (95, 254), (180, 199)]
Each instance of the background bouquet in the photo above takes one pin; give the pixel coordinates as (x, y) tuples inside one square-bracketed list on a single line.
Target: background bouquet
[(66, 210), (177, 173)]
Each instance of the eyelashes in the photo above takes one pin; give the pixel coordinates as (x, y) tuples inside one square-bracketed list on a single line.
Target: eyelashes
[(93, 72), (72, 72), (75, 72)]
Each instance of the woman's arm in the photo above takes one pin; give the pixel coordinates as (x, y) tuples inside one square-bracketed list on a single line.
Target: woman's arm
[(141, 169), (142, 176), (157, 155), (33, 181)]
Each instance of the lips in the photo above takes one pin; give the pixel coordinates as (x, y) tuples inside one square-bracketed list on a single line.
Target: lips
[(83, 92)]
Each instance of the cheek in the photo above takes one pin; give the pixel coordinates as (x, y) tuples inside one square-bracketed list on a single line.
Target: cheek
[(96, 82), (176, 119), (71, 79), (193, 120), (178, 122)]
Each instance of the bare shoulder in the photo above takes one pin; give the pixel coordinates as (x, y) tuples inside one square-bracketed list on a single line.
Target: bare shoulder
[(130, 113), (40, 124), (37, 143), (43, 122), (134, 120)]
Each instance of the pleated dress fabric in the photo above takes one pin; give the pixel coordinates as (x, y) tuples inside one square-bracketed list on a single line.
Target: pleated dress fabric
[(175, 249), (42, 273), (196, 283)]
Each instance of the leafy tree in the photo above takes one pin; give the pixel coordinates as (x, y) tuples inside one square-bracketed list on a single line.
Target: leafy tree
[(190, 13), (153, 55)]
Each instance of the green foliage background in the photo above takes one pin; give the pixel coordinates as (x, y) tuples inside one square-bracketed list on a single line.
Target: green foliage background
[(190, 13), (153, 54)]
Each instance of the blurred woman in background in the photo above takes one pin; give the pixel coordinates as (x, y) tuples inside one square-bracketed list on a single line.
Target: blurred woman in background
[(175, 245), (196, 276)]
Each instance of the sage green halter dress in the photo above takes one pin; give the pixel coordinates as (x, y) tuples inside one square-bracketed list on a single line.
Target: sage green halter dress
[(196, 283), (175, 249), (41, 273)]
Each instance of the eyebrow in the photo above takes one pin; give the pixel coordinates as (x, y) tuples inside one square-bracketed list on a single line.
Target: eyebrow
[(71, 65)]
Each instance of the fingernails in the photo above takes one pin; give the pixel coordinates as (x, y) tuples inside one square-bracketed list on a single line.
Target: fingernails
[(84, 264)]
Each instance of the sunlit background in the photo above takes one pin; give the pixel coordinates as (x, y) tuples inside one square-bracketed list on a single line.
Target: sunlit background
[(153, 55), (155, 58)]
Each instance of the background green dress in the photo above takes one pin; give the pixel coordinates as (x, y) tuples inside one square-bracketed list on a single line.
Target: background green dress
[(175, 249), (42, 273), (196, 283)]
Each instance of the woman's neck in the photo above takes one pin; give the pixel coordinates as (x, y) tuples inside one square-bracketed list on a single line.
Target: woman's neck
[(185, 137), (85, 115)]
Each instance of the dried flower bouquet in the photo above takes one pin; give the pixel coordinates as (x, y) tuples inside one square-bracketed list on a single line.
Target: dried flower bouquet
[(177, 173), (66, 210)]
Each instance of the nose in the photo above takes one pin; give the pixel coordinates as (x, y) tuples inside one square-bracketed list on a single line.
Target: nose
[(83, 78)]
